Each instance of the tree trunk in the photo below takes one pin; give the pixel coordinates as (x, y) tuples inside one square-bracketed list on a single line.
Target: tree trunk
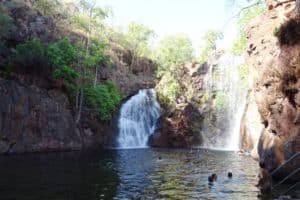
[(77, 81), (77, 101), (81, 97), (133, 59), (96, 74), (80, 106)]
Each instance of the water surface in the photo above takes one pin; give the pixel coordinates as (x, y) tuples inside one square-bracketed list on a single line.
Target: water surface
[(128, 174)]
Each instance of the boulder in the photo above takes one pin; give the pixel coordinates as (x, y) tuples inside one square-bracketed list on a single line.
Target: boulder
[(183, 129)]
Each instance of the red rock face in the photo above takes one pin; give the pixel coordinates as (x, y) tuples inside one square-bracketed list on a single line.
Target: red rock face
[(178, 131), (275, 70), (36, 120)]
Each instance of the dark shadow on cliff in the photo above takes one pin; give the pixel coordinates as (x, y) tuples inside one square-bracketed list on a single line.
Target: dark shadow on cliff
[(289, 33)]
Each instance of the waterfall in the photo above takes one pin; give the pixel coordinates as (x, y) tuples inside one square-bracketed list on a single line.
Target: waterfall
[(138, 119), (227, 91)]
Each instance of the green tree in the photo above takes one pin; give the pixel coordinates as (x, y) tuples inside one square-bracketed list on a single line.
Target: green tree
[(7, 27), (48, 7), (90, 21), (32, 57), (104, 99), (137, 40), (172, 52), (62, 56), (246, 15), (210, 38)]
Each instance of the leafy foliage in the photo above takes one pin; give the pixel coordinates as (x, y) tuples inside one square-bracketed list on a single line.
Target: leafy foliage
[(96, 54), (90, 19), (7, 27), (104, 99), (246, 16), (172, 52), (137, 38), (31, 55), (65, 72), (61, 53), (209, 46), (47, 7), (168, 88), (239, 45)]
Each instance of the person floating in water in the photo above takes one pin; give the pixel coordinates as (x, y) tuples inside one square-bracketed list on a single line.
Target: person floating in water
[(212, 178)]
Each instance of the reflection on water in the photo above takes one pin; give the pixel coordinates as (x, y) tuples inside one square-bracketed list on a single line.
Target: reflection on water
[(128, 174), (182, 174), (56, 176)]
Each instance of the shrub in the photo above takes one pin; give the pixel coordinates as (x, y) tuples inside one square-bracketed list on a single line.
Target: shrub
[(247, 15), (7, 27), (210, 38), (172, 52), (168, 88), (96, 55), (240, 44), (66, 73), (104, 99), (31, 55), (61, 53)]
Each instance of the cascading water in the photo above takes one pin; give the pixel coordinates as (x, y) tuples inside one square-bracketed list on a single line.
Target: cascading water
[(138, 119), (227, 91)]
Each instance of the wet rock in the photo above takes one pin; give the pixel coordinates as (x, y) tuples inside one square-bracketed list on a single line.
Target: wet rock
[(4, 147), (251, 127), (180, 130), (35, 120)]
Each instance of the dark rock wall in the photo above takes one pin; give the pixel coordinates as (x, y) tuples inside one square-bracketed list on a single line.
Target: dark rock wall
[(32, 119), (35, 119)]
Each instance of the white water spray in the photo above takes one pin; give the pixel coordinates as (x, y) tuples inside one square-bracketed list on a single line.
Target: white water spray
[(138, 119), (224, 82)]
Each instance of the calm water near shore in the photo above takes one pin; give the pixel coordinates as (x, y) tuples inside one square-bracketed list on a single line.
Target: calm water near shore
[(128, 174)]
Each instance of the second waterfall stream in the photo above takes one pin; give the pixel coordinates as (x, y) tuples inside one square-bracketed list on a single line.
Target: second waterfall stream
[(138, 118)]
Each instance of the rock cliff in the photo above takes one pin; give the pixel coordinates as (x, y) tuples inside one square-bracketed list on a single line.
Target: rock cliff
[(32, 119), (35, 113), (273, 56), (182, 120)]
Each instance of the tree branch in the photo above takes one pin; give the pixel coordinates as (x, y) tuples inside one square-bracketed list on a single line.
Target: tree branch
[(245, 8), (240, 11)]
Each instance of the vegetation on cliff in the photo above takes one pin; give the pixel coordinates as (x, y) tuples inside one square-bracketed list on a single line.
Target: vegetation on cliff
[(244, 18), (79, 45), (172, 52)]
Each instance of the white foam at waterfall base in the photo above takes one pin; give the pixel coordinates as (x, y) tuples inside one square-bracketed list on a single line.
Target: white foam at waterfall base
[(138, 118)]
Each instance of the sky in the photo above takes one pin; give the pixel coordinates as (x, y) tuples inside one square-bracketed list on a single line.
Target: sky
[(168, 17)]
